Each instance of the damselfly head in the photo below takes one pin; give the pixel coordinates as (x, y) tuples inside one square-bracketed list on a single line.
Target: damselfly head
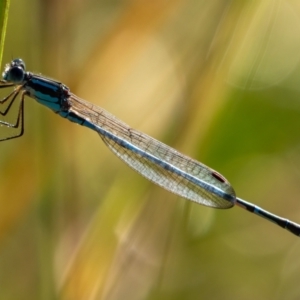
[(14, 71)]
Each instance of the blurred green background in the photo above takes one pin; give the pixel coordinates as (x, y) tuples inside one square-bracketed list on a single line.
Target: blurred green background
[(217, 80)]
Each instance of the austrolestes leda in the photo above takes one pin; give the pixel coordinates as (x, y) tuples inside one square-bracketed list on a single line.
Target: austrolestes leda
[(154, 160)]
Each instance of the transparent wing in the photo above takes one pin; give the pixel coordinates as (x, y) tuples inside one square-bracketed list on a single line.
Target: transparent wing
[(156, 161)]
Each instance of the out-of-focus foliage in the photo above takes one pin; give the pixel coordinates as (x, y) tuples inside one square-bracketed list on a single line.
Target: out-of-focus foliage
[(217, 80)]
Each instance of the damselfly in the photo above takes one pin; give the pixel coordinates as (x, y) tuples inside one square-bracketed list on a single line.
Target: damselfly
[(154, 160)]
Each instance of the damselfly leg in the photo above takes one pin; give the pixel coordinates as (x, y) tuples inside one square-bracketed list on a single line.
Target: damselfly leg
[(15, 128)]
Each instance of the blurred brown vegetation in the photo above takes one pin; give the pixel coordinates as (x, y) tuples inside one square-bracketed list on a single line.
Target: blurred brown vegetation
[(217, 80)]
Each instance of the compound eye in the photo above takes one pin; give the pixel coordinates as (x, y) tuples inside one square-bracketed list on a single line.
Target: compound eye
[(16, 75), (18, 62)]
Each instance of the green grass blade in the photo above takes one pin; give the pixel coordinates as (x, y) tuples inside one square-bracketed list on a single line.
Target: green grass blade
[(4, 7)]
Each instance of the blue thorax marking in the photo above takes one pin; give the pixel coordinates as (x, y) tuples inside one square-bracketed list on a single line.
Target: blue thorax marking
[(47, 92)]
